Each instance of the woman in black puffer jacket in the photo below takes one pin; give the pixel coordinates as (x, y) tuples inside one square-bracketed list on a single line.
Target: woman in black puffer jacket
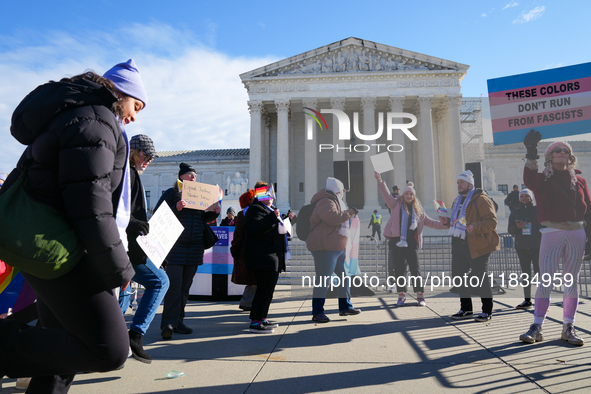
[(184, 257), (76, 154)]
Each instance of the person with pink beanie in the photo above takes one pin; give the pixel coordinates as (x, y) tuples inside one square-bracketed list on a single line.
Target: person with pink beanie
[(563, 205), (404, 232)]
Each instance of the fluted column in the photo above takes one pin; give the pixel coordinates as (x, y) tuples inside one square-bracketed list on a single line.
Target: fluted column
[(310, 153), (398, 176), (337, 154), (368, 105), (427, 148), (266, 131), (283, 178), (455, 148), (440, 157), (255, 108), (417, 151)]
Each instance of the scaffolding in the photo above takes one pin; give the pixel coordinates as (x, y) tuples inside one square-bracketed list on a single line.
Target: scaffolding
[(471, 126)]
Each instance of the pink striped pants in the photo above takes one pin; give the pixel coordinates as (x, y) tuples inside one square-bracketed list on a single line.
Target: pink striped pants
[(570, 246)]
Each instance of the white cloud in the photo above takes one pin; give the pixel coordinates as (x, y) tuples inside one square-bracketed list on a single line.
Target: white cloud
[(196, 98), (511, 5), (530, 15), (483, 15), (261, 24)]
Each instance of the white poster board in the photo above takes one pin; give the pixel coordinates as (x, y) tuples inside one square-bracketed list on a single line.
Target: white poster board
[(165, 229), (381, 162)]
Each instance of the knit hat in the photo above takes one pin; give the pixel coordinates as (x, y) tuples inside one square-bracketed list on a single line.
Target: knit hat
[(555, 145), (467, 176), (334, 185), (409, 188), (184, 168), (143, 143), (126, 78), (528, 192), (232, 211)]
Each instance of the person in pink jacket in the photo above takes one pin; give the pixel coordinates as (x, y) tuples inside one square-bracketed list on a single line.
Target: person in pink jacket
[(404, 232)]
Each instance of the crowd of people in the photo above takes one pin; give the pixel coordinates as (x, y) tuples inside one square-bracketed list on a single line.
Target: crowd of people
[(80, 161)]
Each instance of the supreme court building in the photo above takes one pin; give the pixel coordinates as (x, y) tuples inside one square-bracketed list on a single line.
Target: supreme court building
[(366, 80)]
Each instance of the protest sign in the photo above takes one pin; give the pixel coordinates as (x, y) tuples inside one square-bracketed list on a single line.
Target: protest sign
[(381, 162), (165, 229), (555, 102), (200, 195)]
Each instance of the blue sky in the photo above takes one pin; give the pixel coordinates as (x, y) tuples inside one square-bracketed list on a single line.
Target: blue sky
[(191, 53)]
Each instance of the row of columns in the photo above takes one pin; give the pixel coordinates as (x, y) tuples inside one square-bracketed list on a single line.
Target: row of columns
[(445, 163)]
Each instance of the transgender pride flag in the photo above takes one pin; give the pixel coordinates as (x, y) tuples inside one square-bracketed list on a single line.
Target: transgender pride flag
[(555, 102), (352, 249)]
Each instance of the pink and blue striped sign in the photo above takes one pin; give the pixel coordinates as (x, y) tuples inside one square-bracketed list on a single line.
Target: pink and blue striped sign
[(555, 102)]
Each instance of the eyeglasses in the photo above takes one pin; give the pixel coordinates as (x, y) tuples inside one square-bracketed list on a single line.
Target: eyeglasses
[(147, 158), (559, 150)]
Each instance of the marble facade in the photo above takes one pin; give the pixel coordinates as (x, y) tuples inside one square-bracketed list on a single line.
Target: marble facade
[(370, 79)]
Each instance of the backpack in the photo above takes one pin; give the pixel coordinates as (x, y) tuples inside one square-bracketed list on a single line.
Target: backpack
[(303, 226)]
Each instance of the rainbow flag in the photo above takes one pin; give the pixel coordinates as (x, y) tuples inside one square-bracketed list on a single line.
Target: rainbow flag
[(264, 193), (440, 206), (352, 248), (11, 283)]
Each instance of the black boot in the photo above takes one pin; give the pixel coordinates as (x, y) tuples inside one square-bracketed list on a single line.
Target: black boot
[(137, 349)]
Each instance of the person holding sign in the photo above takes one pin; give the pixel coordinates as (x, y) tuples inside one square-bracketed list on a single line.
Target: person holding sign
[(524, 226), (77, 155), (147, 274), (404, 232), (186, 254), (564, 207)]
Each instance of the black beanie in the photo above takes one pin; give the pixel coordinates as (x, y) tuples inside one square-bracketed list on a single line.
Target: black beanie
[(184, 168)]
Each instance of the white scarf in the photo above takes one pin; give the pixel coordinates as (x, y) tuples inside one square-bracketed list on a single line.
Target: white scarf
[(404, 221), (457, 228), (124, 205)]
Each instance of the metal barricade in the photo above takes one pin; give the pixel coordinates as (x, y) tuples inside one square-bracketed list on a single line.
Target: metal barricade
[(434, 258)]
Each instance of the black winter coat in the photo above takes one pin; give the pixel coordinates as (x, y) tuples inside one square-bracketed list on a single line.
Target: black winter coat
[(526, 213), (189, 248), (138, 217), (77, 156), (264, 247)]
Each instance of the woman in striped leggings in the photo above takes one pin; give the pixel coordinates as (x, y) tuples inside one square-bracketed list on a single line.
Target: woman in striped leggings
[(564, 208)]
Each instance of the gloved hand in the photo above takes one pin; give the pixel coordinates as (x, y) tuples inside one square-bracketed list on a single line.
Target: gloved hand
[(139, 227), (531, 144), (354, 209), (143, 228)]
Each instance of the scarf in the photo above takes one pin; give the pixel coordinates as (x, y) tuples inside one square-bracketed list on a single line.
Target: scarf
[(457, 228), (403, 223), (124, 206)]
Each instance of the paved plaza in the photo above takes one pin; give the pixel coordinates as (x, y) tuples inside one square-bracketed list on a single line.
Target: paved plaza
[(385, 349)]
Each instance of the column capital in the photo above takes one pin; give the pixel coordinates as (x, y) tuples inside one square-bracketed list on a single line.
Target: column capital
[(255, 107), (454, 100), (425, 100), (443, 106), (338, 103), (416, 108), (282, 106), (368, 103), (309, 102), (396, 101), (438, 114)]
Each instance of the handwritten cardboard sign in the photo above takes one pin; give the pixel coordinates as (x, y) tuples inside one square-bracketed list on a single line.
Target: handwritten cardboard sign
[(165, 229), (555, 102), (200, 195)]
